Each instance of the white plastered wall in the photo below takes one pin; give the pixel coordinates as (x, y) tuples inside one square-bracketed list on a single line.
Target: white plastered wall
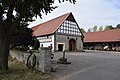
[(47, 43)]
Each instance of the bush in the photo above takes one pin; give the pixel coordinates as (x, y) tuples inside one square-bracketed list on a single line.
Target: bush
[(36, 44)]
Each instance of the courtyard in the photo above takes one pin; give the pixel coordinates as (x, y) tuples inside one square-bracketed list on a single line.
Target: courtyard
[(89, 65)]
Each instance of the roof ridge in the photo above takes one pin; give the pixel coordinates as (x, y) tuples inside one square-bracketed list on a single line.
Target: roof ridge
[(57, 17), (103, 36), (67, 14), (102, 31), (57, 20), (50, 20)]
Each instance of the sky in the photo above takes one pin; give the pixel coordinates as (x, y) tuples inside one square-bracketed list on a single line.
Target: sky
[(87, 13)]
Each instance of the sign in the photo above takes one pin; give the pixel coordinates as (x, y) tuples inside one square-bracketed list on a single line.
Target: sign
[(45, 40)]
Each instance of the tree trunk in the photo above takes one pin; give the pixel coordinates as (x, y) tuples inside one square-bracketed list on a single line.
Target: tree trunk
[(6, 30), (4, 50)]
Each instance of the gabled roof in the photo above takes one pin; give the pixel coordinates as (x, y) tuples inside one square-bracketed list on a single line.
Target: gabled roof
[(103, 36), (50, 26)]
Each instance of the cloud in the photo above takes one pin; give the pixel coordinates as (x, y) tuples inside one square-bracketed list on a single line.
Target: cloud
[(99, 12), (89, 12)]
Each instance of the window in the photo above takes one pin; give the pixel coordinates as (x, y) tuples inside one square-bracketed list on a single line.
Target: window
[(69, 28), (58, 30), (61, 30)]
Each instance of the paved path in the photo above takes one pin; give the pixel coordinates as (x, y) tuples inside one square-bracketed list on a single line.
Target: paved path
[(89, 65)]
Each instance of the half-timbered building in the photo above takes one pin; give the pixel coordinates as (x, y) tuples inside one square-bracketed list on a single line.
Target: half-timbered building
[(62, 33)]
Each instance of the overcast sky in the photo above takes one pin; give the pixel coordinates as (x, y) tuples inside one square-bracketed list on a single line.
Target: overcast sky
[(87, 13)]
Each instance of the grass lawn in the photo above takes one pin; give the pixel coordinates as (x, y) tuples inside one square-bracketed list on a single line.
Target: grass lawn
[(19, 71)]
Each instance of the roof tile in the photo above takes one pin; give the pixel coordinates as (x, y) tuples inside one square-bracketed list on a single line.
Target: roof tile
[(50, 26), (103, 36)]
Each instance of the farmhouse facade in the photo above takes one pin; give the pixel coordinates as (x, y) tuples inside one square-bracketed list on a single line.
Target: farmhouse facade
[(62, 33)]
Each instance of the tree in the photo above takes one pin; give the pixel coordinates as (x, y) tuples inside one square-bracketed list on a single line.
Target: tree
[(35, 44), (118, 26), (108, 27), (94, 28), (22, 37), (83, 31), (14, 12), (89, 30), (100, 28)]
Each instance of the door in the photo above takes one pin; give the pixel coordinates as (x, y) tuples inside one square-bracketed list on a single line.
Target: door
[(60, 47), (72, 45)]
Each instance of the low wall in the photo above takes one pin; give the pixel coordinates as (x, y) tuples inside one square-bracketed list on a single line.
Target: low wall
[(43, 58)]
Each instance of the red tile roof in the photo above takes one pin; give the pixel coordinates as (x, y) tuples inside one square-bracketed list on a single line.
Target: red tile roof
[(103, 36), (50, 26)]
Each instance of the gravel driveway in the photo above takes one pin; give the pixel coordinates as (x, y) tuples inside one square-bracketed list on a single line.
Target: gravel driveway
[(89, 65)]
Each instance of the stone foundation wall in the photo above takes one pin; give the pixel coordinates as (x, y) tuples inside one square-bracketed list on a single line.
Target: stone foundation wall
[(65, 39), (43, 58)]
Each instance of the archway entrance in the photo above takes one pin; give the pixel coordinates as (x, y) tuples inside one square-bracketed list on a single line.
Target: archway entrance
[(72, 45)]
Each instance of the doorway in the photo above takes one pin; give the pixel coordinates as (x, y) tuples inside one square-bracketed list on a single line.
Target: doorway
[(60, 47), (72, 45)]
